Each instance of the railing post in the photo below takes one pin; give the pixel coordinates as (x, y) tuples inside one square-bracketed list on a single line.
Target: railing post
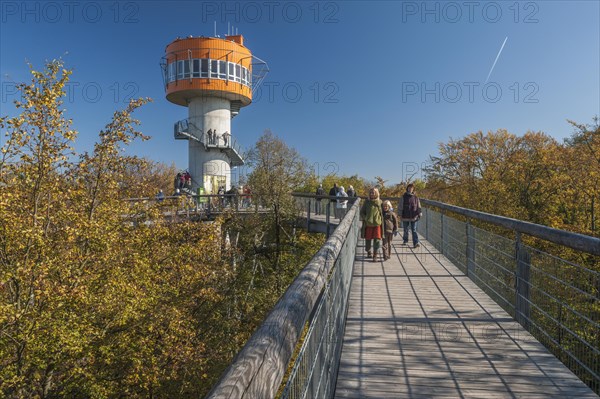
[(442, 232), (308, 216), (327, 212), (470, 249), (426, 212), (523, 259)]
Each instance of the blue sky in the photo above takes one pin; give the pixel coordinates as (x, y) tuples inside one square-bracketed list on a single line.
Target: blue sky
[(357, 87)]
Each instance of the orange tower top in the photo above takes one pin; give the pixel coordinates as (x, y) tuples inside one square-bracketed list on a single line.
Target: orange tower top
[(208, 66)]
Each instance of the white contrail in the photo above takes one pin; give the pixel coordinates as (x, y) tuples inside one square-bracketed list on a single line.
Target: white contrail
[(496, 60)]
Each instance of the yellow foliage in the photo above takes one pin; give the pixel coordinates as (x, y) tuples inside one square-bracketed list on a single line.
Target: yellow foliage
[(91, 305)]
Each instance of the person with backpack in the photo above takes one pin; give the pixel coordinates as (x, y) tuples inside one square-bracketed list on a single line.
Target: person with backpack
[(371, 215)]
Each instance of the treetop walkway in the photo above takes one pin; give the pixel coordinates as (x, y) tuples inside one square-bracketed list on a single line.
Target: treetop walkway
[(470, 313)]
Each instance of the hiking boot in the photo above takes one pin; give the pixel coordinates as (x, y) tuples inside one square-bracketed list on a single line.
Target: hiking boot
[(369, 254), (374, 256)]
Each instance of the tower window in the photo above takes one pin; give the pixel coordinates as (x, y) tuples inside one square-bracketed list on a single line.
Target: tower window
[(172, 72), (231, 67), (222, 69), (214, 69), (180, 69), (196, 72), (186, 69), (204, 68)]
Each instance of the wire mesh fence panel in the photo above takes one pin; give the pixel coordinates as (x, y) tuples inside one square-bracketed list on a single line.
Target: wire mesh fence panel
[(494, 271), (456, 242), (557, 300), (314, 372), (565, 313)]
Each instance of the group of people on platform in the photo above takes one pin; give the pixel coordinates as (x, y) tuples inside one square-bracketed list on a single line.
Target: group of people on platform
[(232, 196), (213, 137), (241, 195), (379, 221), (340, 203), (182, 180)]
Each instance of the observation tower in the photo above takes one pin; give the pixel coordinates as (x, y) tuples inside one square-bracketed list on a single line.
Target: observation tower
[(214, 78)]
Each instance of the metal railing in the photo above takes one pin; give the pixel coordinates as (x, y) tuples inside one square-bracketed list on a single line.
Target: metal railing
[(183, 129), (555, 299), (201, 205), (318, 296), (318, 207), (314, 373)]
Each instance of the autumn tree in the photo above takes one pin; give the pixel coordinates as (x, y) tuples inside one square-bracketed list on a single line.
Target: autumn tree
[(277, 171), (91, 303), (583, 154), (500, 173)]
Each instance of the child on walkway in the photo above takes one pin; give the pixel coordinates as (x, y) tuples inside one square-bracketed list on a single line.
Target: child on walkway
[(390, 227)]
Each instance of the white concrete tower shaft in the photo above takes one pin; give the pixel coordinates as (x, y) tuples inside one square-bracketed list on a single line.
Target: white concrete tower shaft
[(209, 165)]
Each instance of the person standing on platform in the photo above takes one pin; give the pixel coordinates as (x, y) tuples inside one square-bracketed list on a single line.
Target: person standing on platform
[(390, 229), (333, 193), (226, 139), (371, 215), (351, 194), (342, 203), (410, 206), (320, 192)]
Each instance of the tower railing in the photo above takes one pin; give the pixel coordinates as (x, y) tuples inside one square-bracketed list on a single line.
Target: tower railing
[(556, 299), (185, 130)]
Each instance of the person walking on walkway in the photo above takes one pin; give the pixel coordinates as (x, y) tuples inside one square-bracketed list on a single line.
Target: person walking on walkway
[(320, 192), (351, 195), (371, 215), (342, 203), (351, 192), (390, 228), (410, 206)]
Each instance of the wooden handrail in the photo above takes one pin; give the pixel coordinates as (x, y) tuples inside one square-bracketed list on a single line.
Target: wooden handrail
[(258, 369)]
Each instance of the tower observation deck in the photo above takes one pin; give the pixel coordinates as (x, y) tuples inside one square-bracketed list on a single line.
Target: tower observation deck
[(214, 78)]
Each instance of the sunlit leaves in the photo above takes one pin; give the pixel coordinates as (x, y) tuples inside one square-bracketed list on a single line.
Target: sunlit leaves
[(93, 304)]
